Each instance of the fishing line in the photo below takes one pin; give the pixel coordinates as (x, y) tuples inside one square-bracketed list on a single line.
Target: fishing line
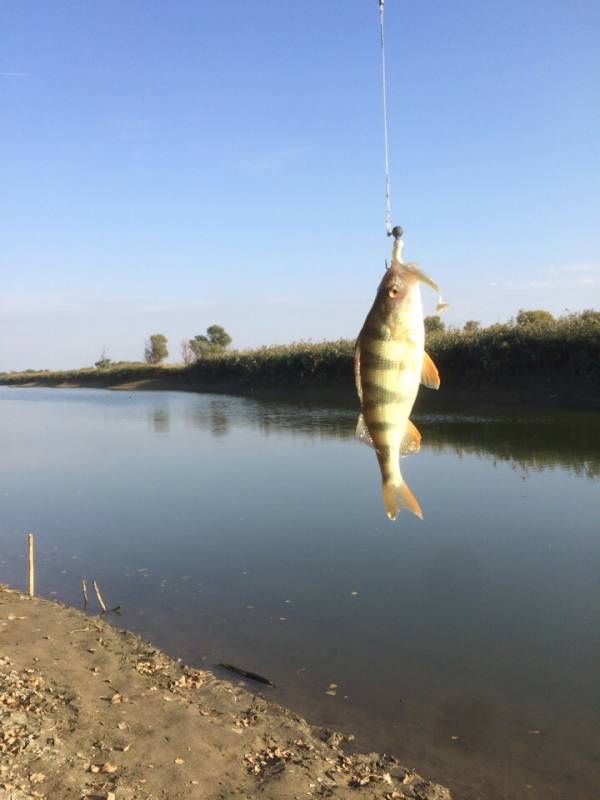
[(388, 202)]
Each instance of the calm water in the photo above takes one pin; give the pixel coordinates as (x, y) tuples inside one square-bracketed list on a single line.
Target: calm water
[(230, 529)]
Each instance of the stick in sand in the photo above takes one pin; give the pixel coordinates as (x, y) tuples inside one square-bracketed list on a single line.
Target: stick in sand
[(99, 596), (85, 594), (31, 565)]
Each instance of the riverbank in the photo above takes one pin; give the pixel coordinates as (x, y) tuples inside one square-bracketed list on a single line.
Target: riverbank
[(90, 711), (554, 365), (534, 392)]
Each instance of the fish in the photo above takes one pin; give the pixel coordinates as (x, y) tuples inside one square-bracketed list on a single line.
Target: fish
[(390, 363)]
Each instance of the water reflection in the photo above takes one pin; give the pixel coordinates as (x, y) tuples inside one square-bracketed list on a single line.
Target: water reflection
[(215, 415), (219, 420), (251, 531), (539, 442), (534, 440), (160, 420), (218, 415)]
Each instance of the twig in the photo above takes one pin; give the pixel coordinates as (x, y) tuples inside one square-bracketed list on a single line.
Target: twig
[(31, 565), (85, 594), (99, 596)]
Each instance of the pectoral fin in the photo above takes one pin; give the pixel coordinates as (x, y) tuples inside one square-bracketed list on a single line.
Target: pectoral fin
[(429, 374), (411, 443), (362, 432)]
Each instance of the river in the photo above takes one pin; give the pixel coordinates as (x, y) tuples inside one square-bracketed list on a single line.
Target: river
[(253, 532)]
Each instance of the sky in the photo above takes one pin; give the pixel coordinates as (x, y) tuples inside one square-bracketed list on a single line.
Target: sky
[(169, 165)]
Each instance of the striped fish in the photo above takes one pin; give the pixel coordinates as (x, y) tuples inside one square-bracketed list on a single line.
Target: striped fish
[(389, 363)]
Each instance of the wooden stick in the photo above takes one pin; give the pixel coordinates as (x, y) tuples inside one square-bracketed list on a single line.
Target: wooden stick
[(85, 594), (31, 565), (99, 596)]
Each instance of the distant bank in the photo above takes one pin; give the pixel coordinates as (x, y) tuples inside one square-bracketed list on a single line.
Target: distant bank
[(556, 365)]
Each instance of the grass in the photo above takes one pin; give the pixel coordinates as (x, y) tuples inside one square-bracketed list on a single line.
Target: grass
[(563, 352)]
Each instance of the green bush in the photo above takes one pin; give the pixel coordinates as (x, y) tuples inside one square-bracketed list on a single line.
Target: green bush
[(564, 348)]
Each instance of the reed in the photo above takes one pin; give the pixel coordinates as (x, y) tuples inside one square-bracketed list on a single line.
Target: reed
[(564, 349), (31, 563), (101, 602)]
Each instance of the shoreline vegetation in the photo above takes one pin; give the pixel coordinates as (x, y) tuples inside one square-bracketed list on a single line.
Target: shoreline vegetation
[(91, 711), (534, 360)]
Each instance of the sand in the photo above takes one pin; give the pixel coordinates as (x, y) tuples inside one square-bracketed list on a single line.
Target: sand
[(90, 711)]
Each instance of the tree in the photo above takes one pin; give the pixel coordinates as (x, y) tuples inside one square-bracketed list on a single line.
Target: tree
[(471, 326), (156, 349), (216, 340), (218, 337), (200, 346), (187, 354), (103, 361), (434, 325), (534, 317)]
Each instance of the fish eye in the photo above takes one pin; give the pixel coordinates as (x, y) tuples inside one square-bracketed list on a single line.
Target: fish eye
[(393, 291)]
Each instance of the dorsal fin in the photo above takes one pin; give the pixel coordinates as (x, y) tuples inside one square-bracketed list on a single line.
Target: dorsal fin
[(429, 375)]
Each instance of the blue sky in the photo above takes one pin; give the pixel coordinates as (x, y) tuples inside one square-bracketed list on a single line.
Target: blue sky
[(166, 166)]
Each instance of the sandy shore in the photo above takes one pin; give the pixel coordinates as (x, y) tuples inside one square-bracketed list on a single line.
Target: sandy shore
[(90, 711)]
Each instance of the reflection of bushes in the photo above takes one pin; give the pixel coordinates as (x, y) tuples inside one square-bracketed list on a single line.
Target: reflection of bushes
[(534, 441), (281, 416), (569, 441)]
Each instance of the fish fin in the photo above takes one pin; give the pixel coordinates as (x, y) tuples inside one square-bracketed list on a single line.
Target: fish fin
[(362, 432), (411, 443), (397, 496), (430, 377), (357, 373)]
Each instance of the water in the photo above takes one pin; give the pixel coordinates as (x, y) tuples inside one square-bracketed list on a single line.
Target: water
[(237, 530)]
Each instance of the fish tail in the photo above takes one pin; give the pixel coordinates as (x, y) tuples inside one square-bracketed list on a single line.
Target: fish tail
[(397, 496)]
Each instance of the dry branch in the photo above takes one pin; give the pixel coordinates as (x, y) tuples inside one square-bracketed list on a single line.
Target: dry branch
[(99, 596), (31, 564)]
